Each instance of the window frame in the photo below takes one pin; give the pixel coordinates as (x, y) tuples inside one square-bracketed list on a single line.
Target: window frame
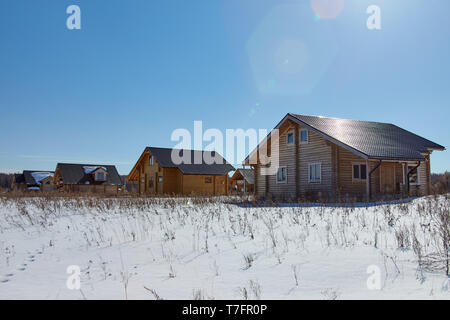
[(151, 161), (208, 180), (309, 172), (417, 174), (359, 164), (97, 176), (286, 175), (293, 137), (300, 136)]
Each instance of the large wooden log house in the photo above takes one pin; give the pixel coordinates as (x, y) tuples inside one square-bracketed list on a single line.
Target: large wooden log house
[(330, 158)]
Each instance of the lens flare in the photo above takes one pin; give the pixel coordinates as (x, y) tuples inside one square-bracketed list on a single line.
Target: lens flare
[(289, 52), (327, 9), (291, 56)]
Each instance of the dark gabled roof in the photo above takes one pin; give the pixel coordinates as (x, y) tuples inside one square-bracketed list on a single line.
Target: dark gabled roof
[(74, 173), (375, 140), (34, 177), (248, 174), (164, 158)]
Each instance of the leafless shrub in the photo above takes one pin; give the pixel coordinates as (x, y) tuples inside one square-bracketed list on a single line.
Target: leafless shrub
[(330, 294), (154, 293), (295, 272), (249, 258)]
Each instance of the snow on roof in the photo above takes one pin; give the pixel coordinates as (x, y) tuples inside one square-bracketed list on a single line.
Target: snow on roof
[(39, 176), (89, 169)]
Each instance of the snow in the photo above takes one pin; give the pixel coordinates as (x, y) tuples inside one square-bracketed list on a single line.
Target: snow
[(39, 176), (215, 248), (89, 169)]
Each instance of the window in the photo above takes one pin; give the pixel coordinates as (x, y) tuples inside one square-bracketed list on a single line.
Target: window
[(304, 136), (315, 172), (359, 172), (208, 180), (150, 161), (413, 176), (160, 179), (290, 138), (150, 182), (100, 176), (282, 175)]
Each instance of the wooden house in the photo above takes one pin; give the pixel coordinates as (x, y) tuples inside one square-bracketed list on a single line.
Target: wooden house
[(243, 181), (87, 178), (157, 172), (29, 180), (331, 158)]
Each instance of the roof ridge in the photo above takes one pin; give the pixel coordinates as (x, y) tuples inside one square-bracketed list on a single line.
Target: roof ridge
[(86, 164), (182, 149), (335, 118)]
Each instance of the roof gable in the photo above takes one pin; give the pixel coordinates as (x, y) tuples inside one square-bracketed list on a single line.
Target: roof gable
[(247, 174), (72, 173), (164, 158), (34, 177), (366, 139)]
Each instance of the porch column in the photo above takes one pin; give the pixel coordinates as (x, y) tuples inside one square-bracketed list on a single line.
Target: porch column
[(367, 181)]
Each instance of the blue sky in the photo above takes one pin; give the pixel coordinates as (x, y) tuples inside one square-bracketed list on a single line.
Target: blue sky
[(139, 69)]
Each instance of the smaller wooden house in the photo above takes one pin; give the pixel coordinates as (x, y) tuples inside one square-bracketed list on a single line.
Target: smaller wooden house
[(156, 172), (243, 181), (87, 178), (30, 180)]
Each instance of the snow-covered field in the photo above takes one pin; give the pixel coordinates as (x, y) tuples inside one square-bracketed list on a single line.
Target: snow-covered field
[(220, 249)]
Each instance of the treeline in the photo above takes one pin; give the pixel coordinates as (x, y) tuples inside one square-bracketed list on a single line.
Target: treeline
[(440, 183)]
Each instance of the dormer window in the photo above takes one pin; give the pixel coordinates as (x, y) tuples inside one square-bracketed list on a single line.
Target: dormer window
[(100, 176)]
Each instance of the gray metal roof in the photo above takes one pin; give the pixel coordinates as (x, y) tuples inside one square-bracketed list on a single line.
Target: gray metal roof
[(74, 173), (164, 158), (248, 174), (376, 140)]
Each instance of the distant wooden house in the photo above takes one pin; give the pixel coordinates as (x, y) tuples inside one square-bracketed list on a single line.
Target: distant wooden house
[(87, 178), (157, 173), (329, 158), (243, 181), (33, 180)]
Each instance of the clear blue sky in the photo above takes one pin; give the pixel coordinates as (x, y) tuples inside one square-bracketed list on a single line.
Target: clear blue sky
[(139, 69)]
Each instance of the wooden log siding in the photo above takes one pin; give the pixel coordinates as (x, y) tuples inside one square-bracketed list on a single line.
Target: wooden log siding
[(337, 171), (287, 154), (421, 188), (316, 150)]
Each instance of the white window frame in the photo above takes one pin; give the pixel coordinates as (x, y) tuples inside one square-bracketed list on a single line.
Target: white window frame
[(309, 172), (359, 164), (293, 137), (418, 175), (300, 136), (151, 161), (281, 168)]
